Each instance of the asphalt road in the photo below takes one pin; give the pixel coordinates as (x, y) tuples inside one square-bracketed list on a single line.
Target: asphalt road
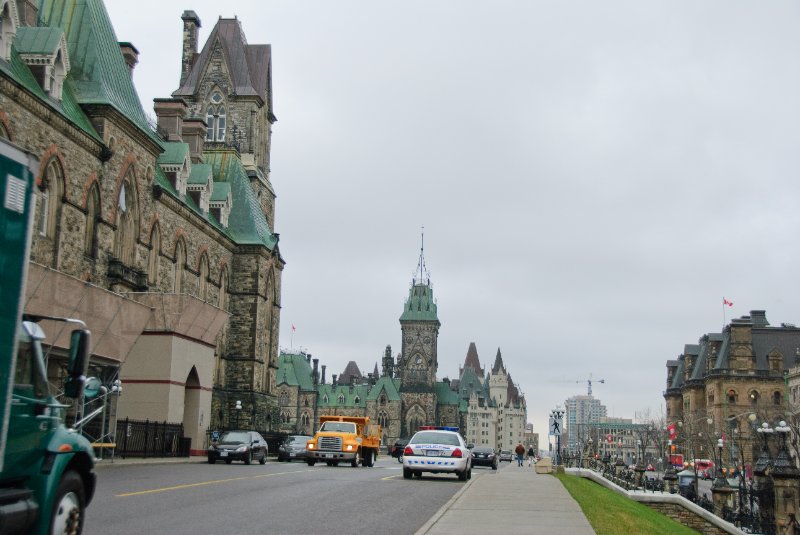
[(276, 498)]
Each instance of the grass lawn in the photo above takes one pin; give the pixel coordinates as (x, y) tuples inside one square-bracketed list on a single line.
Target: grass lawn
[(610, 513)]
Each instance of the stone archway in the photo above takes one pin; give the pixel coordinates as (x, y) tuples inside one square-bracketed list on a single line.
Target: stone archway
[(415, 417), (191, 409)]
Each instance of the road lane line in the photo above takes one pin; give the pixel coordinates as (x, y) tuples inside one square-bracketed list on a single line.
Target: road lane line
[(205, 483)]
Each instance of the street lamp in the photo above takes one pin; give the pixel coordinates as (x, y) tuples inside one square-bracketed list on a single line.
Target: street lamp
[(719, 481), (709, 421), (238, 408)]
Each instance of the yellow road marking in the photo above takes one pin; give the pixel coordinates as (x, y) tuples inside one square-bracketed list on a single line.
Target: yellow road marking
[(204, 483)]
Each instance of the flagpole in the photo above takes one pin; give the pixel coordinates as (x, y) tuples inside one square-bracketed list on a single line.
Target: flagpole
[(723, 314)]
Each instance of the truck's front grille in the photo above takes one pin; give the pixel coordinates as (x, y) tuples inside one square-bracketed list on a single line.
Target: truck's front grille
[(330, 443)]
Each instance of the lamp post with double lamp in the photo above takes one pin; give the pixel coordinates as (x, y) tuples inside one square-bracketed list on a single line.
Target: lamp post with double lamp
[(719, 480)]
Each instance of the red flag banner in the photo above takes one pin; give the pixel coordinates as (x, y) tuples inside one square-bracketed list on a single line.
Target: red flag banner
[(672, 432), (726, 302)]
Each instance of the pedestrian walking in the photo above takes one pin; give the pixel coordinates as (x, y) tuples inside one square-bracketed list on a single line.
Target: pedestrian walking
[(520, 451), (531, 454)]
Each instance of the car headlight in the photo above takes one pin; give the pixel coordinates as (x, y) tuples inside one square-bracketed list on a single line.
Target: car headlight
[(241, 449), (349, 447), (310, 446)]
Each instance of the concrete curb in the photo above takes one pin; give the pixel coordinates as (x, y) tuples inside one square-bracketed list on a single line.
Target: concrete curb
[(426, 527), (119, 462)]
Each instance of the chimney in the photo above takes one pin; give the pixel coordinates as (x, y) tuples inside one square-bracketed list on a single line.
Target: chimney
[(130, 54), (316, 372), (28, 12), (194, 133), (323, 373), (191, 23), (308, 358), (170, 113), (334, 380)]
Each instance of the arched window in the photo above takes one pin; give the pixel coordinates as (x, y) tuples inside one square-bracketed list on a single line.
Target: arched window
[(732, 396), (92, 214), (304, 419), (202, 283), (51, 191), (4, 131), (383, 419), (127, 219), (325, 399), (776, 398), (754, 396), (215, 118), (341, 399), (383, 399), (223, 289), (180, 265), (284, 399), (357, 400), (155, 253)]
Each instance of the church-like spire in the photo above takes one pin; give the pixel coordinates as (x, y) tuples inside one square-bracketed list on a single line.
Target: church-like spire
[(472, 360), (422, 275), (498, 363)]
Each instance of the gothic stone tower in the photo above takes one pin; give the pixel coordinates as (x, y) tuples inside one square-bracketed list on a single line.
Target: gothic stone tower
[(228, 85), (418, 360)]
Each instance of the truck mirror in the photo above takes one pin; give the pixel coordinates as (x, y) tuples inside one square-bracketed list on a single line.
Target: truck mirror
[(78, 363)]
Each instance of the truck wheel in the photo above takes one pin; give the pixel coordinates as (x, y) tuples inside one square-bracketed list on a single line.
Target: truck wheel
[(249, 458), (354, 462), (311, 462), (400, 459), (406, 473), (263, 459), (69, 506), (369, 459)]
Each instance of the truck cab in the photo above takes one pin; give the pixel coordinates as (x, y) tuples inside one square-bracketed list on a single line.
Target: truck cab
[(344, 438)]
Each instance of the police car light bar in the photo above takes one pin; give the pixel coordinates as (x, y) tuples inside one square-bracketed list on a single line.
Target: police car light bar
[(438, 428)]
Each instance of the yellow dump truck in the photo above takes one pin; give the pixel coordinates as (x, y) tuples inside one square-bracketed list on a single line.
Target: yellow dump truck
[(344, 438)]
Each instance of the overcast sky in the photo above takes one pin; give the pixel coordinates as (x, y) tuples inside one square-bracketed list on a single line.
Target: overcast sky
[(593, 177)]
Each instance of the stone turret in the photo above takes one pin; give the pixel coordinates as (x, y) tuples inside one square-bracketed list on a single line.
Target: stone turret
[(191, 24)]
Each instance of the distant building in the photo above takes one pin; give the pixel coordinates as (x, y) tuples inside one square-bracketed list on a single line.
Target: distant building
[(406, 393), (579, 413)]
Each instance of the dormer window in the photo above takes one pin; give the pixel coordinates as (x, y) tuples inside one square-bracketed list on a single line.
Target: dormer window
[(215, 118), (8, 28), (44, 50)]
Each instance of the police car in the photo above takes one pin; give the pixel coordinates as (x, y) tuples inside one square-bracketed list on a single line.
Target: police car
[(437, 450)]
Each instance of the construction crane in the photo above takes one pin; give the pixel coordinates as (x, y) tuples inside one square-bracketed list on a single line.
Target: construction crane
[(589, 382)]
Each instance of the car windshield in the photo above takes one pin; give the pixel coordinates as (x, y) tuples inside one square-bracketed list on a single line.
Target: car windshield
[(434, 437), (339, 427), (235, 436), (483, 450), (298, 440)]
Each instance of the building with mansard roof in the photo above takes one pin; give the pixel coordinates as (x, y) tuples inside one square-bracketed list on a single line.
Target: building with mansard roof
[(728, 376), (160, 238)]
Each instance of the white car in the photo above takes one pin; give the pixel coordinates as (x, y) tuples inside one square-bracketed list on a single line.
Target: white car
[(437, 450)]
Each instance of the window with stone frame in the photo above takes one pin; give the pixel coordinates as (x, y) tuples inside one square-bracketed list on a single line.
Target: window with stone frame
[(304, 419), (341, 399), (754, 397), (50, 193), (284, 399), (92, 215), (733, 397), (180, 265), (357, 400), (383, 419), (127, 222), (215, 117), (7, 31), (202, 283), (383, 399), (222, 302), (325, 399), (155, 254), (776, 397), (4, 132)]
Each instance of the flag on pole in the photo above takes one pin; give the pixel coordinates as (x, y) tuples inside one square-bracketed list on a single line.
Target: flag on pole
[(726, 302), (293, 328), (672, 431)]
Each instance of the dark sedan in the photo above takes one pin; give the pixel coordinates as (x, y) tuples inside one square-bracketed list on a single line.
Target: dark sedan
[(294, 447), (246, 446), (396, 450), (484, 457)]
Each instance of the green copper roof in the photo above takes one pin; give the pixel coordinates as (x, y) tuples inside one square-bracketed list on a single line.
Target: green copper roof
[(37, 40), (384, 384), (446, 395), (294, 370), (201, 174), (98, 73), (343, 396), (175, 153), (420, 305), (68, 107), (246, 223), (221, 191)]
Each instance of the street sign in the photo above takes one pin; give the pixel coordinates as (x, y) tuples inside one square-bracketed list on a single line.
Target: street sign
[(556, 423)]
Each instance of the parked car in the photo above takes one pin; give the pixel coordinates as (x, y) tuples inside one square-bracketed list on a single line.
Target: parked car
[(484, 456), (396, 449), (293, 447), (506, 455), (244, 446), (437, 450)]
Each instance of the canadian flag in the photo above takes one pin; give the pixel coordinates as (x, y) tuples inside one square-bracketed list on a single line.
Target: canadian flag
[(726, 302), (672, 431)]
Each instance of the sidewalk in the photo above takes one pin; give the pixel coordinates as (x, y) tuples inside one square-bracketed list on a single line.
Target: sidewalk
[(108, 462), (511, 500)]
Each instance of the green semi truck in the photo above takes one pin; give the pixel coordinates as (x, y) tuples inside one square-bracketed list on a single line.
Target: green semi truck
[(46, 469)]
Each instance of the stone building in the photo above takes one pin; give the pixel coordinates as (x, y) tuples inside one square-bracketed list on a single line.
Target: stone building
[(406, 394), (160, 239), (727, 377)]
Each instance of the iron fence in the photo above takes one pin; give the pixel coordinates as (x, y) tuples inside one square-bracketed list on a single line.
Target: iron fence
[(137, 438)]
